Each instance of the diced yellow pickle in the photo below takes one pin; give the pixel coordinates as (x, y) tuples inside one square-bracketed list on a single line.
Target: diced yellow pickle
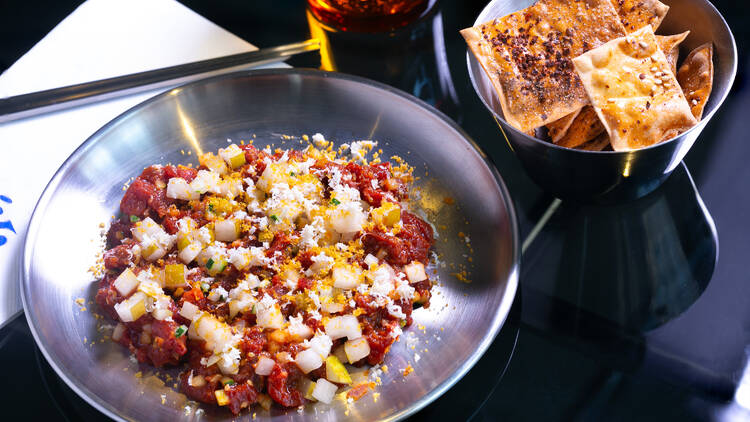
[(183, 240), (306, 387), (336, 372), (150, 252), (387, 214), (237, 161), (174, 275), (138, 309), (221, 397)]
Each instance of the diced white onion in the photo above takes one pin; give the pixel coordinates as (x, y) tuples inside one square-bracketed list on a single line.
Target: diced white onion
[(211, 360), (205, 181), (356, 349), (324, 391), (240, 305), (131, 308), (196, 381), (321, 344), (178, 188), (415, 272), (332, 307), (343, 326), (307, 360), (189, 310), (126, 282), (300, 330), (188, 254), (270, 317), (156, 252), (264, 366), (347, 218), (346, 277), (161, 314), (226, 231), (147, 227), (371, 261), (118, 331)]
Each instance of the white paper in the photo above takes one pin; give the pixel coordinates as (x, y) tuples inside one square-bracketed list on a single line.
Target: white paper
[(100, 39)]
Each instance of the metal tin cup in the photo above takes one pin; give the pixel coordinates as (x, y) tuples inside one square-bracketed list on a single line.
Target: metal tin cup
[(613, 176)]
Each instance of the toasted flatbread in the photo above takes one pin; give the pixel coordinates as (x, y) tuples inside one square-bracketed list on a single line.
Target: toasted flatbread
[(696, 77), (581, 125), (635, 14), (634, 92), (670, 44), (559, 127), (597, 144), (527, 56), (586, 127)]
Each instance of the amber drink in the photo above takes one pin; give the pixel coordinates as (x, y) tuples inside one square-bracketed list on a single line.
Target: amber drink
[(368, 15)]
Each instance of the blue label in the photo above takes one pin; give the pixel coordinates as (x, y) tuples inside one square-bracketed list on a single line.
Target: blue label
[(5, 225)]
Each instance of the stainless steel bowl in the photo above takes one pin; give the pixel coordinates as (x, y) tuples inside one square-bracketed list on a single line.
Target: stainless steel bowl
[(61, 243), (610, 176)]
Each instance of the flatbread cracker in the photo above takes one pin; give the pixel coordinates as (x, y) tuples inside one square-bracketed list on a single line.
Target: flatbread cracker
[(586, 127), (696, 77), (582, 127), (670, 44), (635, 14), (634, 92), (527, 56), (559, 127), (597, 144)]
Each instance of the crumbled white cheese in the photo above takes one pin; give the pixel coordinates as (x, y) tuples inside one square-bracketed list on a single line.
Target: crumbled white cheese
[(361, 148), (319, 140)]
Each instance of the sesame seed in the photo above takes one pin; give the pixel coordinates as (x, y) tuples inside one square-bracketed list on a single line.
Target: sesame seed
[(643, 44)]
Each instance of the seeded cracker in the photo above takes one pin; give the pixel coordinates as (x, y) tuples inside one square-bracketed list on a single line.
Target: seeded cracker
[(584, 128), (636, 14), (586, 125), (527, 56), (634, 92), (557, 129), (670, 45), (596, 144), (696, 77)]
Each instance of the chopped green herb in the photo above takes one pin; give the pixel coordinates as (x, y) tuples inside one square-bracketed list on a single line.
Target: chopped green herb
[(335, 201), (211, 207), (403, 324), (274, 218), (253, 311), (210, 263), (205, 287), (180, 331), (228, 382), (134, 219), (292, 174)]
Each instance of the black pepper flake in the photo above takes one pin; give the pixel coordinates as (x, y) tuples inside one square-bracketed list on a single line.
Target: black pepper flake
[(648, 105), (641, 76)]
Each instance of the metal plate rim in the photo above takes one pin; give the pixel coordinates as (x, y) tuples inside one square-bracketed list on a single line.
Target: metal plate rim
[(500, 315)]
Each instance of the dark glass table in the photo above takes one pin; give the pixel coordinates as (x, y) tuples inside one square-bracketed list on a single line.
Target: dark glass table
[(625, 312)]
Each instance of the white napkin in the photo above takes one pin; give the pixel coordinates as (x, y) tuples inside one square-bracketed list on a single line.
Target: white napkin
[(100, 39)]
